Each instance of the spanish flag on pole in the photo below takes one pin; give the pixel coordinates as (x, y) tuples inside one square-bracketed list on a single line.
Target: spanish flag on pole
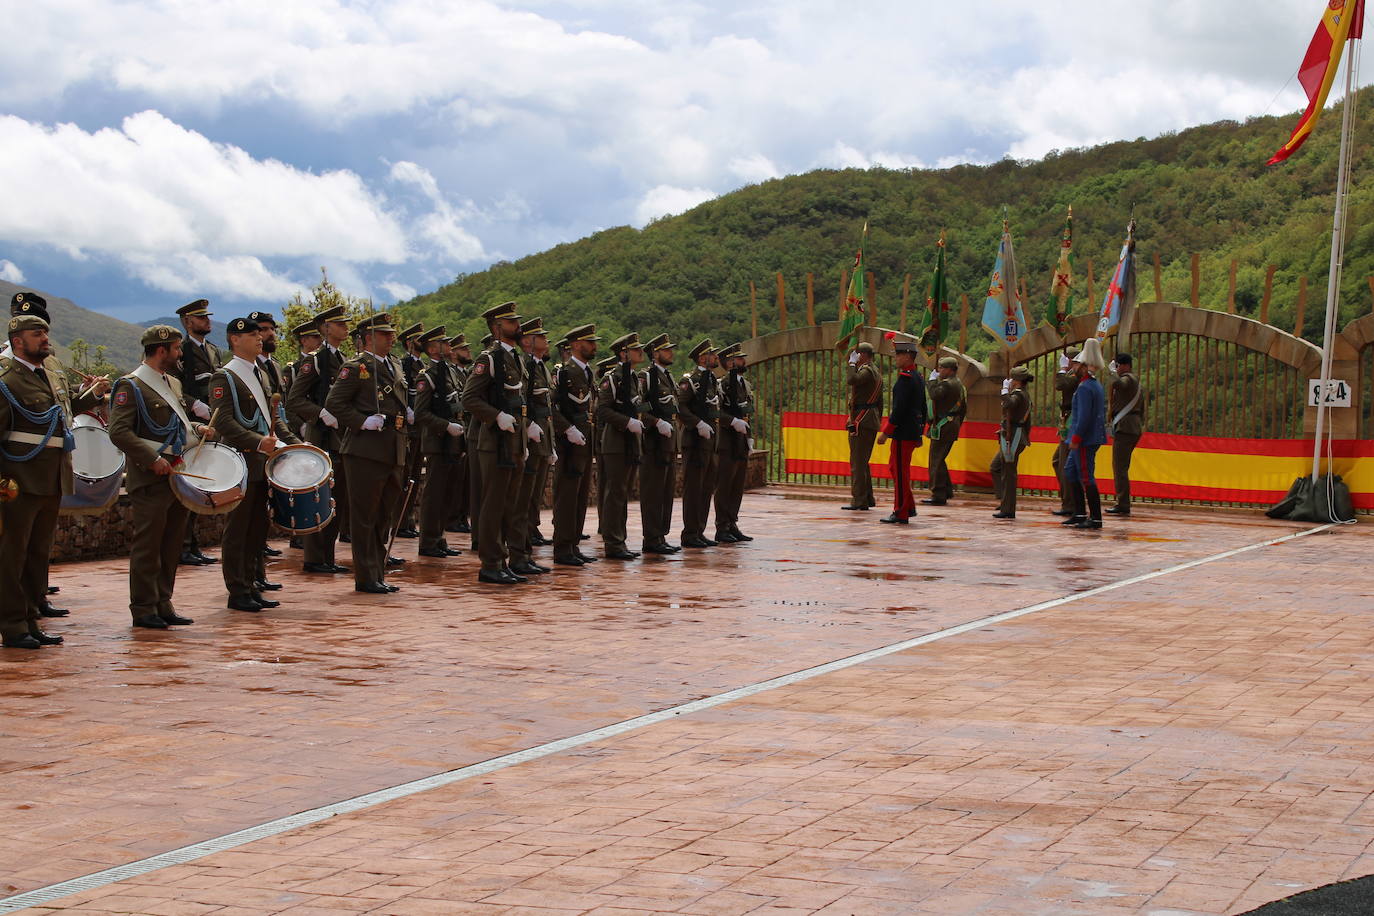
[(1342, 21)]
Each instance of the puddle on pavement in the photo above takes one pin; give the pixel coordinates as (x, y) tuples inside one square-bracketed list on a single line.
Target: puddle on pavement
[(886, 576), (1150, 540)]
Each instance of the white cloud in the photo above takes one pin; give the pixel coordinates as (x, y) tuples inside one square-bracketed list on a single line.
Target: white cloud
[(844, 156), (753, 168), (665, 200), (11, 272), (398, 292), (236, 277), (442, 228)]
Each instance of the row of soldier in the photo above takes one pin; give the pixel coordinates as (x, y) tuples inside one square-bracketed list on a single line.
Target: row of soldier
[(1088, 415), (483, 434)]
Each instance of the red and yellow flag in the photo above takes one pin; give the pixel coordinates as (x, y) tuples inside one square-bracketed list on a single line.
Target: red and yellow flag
[(1342, 21)]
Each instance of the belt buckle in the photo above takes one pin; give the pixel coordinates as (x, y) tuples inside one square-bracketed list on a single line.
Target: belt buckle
[(400, 421)]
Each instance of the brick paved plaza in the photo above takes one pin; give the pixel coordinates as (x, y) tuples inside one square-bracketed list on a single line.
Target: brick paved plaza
[(1195, 743)]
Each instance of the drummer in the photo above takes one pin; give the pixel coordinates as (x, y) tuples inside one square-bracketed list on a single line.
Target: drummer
[(150, 425), (244, 418)]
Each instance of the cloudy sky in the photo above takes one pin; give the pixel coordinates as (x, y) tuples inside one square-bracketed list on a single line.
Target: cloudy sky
[(155, 151)]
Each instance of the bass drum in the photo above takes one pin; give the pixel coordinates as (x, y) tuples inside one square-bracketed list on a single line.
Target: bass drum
[(220, 482), (97, 469), (300, 481)]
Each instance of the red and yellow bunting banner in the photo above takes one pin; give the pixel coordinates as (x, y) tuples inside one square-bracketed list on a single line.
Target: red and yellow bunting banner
[(1254, 471), (1341, 21)]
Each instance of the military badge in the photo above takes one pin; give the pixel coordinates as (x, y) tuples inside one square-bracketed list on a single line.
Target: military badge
[(307, 367), (122, 398), (218, 392), (420, 384), (343, 373), (479, 369), (363, 373)]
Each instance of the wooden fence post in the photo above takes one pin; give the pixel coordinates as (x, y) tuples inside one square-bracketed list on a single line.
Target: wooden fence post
[(906, 294), (1268, 292), (1159, 282), (963, 322), (1196, 269), (782, 304), (872, 300), (811, 299), (753, 310), (1231, 297)]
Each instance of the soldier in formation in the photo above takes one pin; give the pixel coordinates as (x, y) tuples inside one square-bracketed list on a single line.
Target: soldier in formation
[(865, 386)]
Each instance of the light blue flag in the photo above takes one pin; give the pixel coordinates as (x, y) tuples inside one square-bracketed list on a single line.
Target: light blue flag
[(1004, 317), (1120, 298)]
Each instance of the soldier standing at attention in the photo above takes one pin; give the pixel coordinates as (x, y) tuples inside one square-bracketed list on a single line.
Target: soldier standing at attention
[(904, 425), (698, 404), (1065, 382), (243, 418), (949, 405), (1127, 410), (370, 400), (1087, 433), (35, 456), (736, 442), (495, 397), (460, 362), (438, 404), (657, 470), (1012, 439), (865, 408), (306, 399), (474, 466), (619, 403), (276, 395), (573, 393), (199, 360), (150, 425), (534, 343), (308, 340), (412, 364)]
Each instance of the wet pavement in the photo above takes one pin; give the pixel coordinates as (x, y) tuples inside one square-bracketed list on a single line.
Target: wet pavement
[(1187, 744)]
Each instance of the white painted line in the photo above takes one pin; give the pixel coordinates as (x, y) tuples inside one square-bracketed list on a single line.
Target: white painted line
[(195, 851)]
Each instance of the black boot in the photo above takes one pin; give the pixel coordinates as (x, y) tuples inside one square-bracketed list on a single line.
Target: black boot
[(1094, 519), (1079, 506)]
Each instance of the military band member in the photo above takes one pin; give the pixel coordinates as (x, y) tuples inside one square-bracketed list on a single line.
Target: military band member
[(1012, 438), (1065, 382), (573, 402), (698, 404), (865, 398), (36, 407), (736, 442), (662, 443), (1087, 433), (412, 364), (495, 397), (370, 400), (904, 426), (534, 343), (474, 466), (199, 360), (1126, 413), (275, 375), (241, 406), (619, 406), (602, 367), (948, 406), (309, 391), (460, 359), (150, 425), (308, 340), (438, 407)]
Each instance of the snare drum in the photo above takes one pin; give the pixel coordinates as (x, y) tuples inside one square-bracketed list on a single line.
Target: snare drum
[(225, 482), (97, 469), (300, 481)]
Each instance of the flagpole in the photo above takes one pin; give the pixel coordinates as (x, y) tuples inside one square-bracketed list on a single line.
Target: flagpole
[(1333, 282)]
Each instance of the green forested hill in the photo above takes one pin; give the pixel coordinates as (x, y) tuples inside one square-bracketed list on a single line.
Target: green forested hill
[(1205, 190)]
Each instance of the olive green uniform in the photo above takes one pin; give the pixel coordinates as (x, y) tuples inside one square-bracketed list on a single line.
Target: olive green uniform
[(619, 400), (736, 402), (948, 406), (1013, 437), (865, 385), (1125, 396), (459, 510), (198, 364), (539, 397), (30, 519), (241, 424), (658, 468), (438, 403), (373, 459), (573, 402), (309, 391), (1066, 383), (159, 517), (496, 386), (698, 401)]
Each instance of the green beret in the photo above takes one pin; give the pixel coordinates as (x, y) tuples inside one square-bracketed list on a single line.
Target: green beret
[(948, 362), (159, 334), (865, 347), (27, 323)]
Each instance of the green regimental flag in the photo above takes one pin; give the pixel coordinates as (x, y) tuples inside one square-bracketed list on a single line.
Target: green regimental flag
[(852, 312), (1060, 306), (936, 325)]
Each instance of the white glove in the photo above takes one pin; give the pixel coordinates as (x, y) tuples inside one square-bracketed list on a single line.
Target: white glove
[(634, 426), (328, 419), (534, 432), (1112, 366), (305, 430), (1006, 385), (664, 428), (410, 415), (575, 436), (505, 422), (1064, 363), (934, 374), (751, 443), (704, 429), (854, 358), (455, 429), (200, 409), (374, 422), (553, 457), (739, 426)]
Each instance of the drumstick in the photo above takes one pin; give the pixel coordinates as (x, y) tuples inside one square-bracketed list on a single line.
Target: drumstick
[(189, 474), (195, 451)]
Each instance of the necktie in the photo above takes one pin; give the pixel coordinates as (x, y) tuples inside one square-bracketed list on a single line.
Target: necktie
[(42, 376)]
